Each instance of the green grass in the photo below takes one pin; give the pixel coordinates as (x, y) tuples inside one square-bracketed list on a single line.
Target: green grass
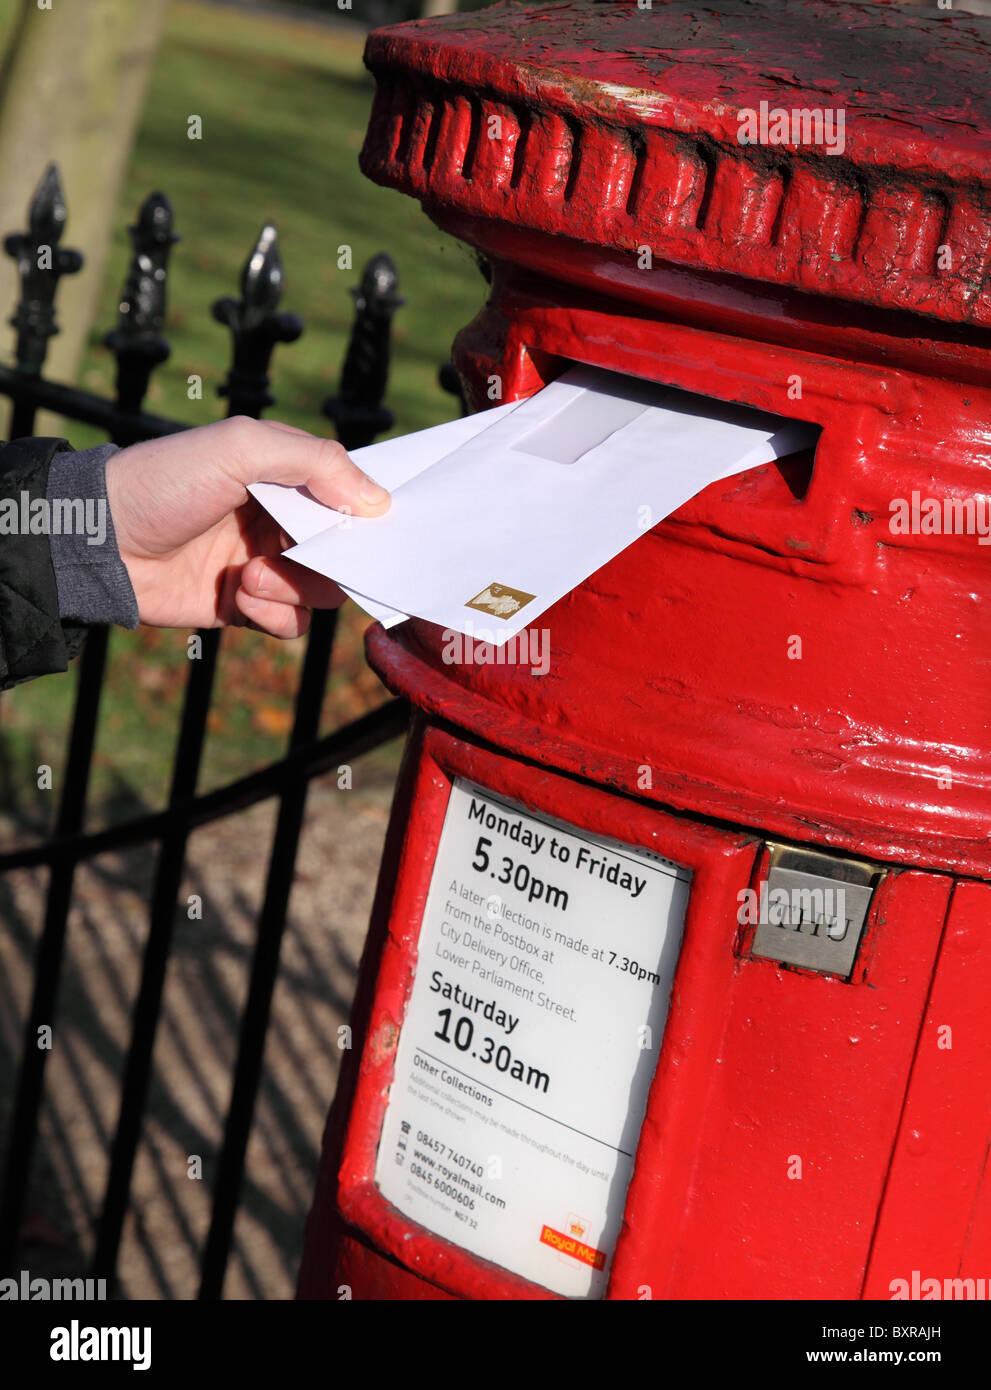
[(284, 107)]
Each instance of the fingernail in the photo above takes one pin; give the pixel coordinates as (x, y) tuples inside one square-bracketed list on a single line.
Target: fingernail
[(372, 493)]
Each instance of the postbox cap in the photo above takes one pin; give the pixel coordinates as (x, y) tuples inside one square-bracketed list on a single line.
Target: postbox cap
[(838, 149)]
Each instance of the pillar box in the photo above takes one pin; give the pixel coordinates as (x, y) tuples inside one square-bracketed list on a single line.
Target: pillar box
[(677, 979)]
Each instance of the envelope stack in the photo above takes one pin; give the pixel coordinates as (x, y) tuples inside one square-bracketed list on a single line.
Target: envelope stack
[(496, 516)]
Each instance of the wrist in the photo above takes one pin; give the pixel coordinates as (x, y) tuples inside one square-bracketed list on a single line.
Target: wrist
[(92, 579)]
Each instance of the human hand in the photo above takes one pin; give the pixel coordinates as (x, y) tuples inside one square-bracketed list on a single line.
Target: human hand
[(199, 550)]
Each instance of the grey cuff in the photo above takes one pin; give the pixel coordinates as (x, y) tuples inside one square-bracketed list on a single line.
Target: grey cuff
[(92, 580)]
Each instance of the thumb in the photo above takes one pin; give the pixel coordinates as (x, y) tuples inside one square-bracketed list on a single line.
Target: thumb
[(267, 451)]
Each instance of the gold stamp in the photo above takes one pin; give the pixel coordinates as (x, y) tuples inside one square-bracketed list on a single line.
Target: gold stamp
[(500, 600)]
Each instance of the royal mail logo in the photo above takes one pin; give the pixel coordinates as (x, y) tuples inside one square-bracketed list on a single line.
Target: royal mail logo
[(500, 600), (570, 1245)]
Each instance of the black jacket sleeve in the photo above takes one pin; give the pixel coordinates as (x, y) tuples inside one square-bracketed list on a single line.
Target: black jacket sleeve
[(33, 639)]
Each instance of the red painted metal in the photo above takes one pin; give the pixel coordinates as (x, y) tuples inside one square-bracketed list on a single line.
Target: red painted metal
[(722, 863), (814, 286), (853, 735), (946, 1114), (810, 1069), (620, 128)]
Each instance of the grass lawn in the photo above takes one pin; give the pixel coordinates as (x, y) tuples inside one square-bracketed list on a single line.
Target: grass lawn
[(284, 107)]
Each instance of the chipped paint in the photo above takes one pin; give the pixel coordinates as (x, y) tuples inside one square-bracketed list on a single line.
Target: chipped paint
[(656, 96)]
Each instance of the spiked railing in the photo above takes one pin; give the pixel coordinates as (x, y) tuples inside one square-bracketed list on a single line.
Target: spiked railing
[(137, 341), (357, 411)]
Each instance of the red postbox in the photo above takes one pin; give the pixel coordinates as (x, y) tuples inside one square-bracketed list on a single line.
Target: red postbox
[(711, 1086)]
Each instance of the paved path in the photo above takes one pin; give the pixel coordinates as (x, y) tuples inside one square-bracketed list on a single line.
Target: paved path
[(207, 981)]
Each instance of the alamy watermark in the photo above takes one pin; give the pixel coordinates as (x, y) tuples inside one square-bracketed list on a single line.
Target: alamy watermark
[(929, 1289), (25, 1287), (802, 125), (532, 648), (79, 1342), (939, 516), (54, 516), (814, 911)]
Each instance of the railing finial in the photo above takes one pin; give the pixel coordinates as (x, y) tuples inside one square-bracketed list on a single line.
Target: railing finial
[(256, 326), (40, 265), (137, 341), (357, 410)]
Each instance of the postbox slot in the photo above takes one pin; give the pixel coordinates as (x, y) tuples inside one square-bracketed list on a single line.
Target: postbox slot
[(586, 423), (795, 471)]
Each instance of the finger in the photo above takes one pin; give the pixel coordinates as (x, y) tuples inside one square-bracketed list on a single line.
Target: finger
[(278, 619), (266, 452), (283, 581)]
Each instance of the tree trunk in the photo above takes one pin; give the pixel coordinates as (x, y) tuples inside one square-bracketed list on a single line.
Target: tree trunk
[(72, 89)]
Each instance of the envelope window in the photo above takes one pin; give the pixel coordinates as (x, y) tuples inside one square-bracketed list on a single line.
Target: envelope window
[(580, 426)]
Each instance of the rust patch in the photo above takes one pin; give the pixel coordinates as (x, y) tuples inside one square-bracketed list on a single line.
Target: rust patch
[(384, 1042)]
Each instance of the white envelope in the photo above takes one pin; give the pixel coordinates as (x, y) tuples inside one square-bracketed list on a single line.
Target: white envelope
[(520, 510), (391, 463)]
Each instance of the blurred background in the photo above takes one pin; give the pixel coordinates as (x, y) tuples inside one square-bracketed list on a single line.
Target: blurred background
[(106, 88), (284, 101)]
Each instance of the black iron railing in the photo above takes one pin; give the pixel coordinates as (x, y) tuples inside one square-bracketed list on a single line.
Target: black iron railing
[(256, 325)]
